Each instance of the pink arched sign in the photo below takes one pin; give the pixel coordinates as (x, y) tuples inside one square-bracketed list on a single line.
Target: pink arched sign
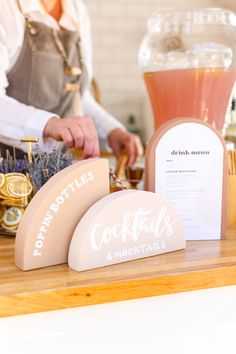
[(45, 232), (124, 226)]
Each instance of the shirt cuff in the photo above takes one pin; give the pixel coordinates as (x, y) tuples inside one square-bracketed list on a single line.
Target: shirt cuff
[(108, 128), (35, 126)]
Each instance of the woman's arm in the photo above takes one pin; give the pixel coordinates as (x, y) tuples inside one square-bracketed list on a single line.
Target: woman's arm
[(103, 121), (16, 119)]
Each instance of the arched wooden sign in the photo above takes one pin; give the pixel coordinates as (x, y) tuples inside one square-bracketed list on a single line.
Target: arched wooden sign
[(124, 226), (186, 163), (45, 232)]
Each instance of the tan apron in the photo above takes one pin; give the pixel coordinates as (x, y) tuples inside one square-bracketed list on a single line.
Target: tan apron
[(41, 77)]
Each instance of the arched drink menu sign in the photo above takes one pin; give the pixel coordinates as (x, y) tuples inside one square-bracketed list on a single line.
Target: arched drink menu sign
[(45, 232), (186, 163)]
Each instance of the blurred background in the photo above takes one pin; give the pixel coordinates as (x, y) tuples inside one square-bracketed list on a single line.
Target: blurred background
[(117, 29)]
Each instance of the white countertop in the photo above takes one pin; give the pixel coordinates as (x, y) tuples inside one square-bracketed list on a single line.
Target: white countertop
[(199, 322)]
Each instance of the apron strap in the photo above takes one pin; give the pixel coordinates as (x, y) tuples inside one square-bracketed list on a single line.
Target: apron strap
[(31, 28), (26, 16)]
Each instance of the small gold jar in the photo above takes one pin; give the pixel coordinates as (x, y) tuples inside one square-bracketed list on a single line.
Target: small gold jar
[(16, 190)]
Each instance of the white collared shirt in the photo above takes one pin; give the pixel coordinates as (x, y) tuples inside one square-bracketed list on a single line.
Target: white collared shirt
[(17, 119)]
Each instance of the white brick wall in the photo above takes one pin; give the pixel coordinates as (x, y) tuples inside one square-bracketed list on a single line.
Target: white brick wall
[(117, 28)]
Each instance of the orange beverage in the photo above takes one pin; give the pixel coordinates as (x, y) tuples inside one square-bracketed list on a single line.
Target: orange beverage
[(202, 93)]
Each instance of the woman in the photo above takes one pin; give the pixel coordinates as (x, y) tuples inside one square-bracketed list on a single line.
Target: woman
[(45, 72)]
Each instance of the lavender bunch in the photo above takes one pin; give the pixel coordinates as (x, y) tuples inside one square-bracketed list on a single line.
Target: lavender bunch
[(45, 165), (11, 164)]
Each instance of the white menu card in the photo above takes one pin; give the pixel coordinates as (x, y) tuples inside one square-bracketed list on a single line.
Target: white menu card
[(189, 160)]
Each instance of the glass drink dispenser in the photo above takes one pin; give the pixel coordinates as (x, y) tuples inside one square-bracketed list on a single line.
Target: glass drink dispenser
[(189, 64)]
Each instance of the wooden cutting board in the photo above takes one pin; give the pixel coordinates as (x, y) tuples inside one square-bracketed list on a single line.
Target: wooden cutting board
[(204, 264)]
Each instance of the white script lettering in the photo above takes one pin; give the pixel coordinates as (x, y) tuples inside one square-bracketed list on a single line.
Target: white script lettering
[(55, 207), (132, 226)]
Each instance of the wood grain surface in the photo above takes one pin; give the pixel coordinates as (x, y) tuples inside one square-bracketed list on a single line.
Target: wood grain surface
[(204, 264)]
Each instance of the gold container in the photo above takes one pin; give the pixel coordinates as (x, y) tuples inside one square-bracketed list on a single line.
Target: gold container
[(16, 190)]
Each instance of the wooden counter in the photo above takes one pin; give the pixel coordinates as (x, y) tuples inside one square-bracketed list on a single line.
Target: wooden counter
[(204, 264)]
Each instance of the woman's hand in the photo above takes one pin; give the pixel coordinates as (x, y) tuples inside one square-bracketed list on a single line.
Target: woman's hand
[(119, 139), (78, 132)]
